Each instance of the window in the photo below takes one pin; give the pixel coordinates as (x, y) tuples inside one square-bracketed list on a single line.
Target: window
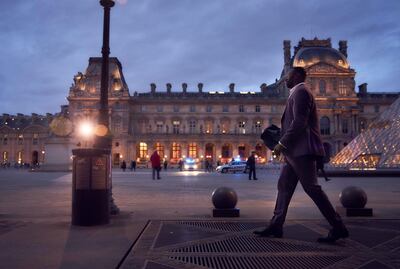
[(209, 127), (342, 88), (175, 126), (362, 125), (19, 157), (209, 108), (20, 139), (225, 108), (241, 108), (325, 126), (176, 151), (160, 149), (117, 125), (5, 140), (176, 109), (160, 109), (142, 108), (35, 139), (192, 108), (242, 127), (376, 108), (226, 151), (192, 150), (5, 156), (273, 109), (257, 126), (192, 126), (258, 108), (159, 126), (142, 150), (322, 87), (345, 126)]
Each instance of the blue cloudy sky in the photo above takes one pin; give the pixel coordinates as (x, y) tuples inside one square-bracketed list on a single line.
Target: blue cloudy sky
[(45, 42)]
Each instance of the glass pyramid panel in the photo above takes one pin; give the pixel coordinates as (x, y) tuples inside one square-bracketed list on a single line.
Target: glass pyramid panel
[(376, 147)]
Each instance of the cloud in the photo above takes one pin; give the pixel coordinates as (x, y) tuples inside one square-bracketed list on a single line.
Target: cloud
[(214, 42)]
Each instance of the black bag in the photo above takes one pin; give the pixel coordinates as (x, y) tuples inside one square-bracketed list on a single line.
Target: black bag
[(271, 136)]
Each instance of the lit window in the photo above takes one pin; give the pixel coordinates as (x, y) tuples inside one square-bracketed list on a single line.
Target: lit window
[(142, 150), (342, 88), (160, 149), (176, 151), (5, 156), (20, 139), (226, 151), (192, 150)]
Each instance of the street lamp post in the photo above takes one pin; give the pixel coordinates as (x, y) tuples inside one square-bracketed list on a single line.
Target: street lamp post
[(104, 141)]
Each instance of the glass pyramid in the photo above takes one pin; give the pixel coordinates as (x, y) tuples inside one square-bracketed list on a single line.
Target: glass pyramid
[(376, 147)]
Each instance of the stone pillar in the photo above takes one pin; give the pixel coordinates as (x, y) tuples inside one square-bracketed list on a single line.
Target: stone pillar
[(232, 87), (184, 87), (169, 86), (153, 87)]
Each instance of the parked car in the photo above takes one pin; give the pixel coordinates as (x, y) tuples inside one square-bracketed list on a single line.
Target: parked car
[(235, 166)]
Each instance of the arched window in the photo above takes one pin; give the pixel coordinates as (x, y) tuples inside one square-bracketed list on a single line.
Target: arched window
[(322, 87), (226, 151), (342, 88), (142, 150), (325, 126), (176, 151), (160, 149), (192, 150)]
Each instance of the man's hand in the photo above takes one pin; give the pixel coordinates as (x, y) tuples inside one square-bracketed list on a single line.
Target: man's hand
[(277, 150)]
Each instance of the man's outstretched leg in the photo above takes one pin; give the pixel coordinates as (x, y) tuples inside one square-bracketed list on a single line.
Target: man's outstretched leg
[(286, 185), (305, 168)]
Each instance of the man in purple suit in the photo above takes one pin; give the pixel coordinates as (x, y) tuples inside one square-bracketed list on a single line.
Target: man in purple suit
[(301, 144)]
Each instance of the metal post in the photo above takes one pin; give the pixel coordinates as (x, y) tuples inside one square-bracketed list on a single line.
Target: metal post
[(105, 142)]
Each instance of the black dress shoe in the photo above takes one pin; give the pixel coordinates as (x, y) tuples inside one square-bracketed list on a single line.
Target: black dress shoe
[(256, 179), (334, 234), (270, 232)]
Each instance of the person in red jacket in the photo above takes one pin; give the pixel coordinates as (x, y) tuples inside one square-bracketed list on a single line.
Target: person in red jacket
[(155, 164)]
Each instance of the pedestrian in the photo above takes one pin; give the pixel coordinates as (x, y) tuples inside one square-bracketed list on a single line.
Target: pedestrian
[(134, 165), (251, 165), (131, 166), (301, 144), (155, 164), (206, 164), (165, 164), (123, 165), (180, 165)]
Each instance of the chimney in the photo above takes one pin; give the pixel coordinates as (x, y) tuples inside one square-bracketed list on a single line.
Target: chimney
[(200, 86), (169, 86), (286, 52), (153, 87), (184, 87), (343, 47), (232, 87), (362, 89)]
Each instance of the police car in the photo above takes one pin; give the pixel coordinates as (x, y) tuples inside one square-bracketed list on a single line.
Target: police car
[(233, 167), (190, 164)]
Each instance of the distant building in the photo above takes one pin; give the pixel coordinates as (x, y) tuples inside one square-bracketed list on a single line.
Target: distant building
[(216, 125)]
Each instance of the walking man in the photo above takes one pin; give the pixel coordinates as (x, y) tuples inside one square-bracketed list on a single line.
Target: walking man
[(300, 144), (251, 165), (155, 164)]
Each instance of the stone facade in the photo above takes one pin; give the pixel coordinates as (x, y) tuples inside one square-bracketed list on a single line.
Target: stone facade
[(220, 125)]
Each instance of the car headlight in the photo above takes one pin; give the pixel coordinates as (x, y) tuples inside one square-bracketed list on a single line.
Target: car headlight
[(195, 166)]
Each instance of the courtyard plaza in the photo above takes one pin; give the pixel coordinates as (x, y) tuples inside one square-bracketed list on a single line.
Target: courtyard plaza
[(35, 211)]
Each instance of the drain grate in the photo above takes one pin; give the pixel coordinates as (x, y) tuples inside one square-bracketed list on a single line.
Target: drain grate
[(247, 244), (224, 226), (224, 262)]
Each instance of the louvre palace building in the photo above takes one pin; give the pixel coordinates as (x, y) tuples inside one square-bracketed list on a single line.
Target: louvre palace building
[(185, 121)]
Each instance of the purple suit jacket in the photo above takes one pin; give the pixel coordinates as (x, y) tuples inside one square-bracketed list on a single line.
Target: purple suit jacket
[(300, 132)]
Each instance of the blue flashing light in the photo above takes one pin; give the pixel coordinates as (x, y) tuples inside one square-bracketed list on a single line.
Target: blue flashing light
[(189, 160)]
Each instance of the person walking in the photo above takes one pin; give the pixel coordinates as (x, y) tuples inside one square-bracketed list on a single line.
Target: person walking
[(123, 165), (251, 165), (301, 144), (131, 166), (155, 164), (165, 164)]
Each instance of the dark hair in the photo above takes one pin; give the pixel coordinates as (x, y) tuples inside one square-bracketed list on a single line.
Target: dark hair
[(300, 72)]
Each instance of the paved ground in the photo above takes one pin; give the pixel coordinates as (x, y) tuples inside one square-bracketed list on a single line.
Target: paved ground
[(35, 208)]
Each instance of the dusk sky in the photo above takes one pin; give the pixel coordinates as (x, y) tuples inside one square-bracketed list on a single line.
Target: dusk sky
[(45, 43)]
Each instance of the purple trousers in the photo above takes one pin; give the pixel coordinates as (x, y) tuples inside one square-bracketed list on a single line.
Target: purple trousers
[(302, 169)]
